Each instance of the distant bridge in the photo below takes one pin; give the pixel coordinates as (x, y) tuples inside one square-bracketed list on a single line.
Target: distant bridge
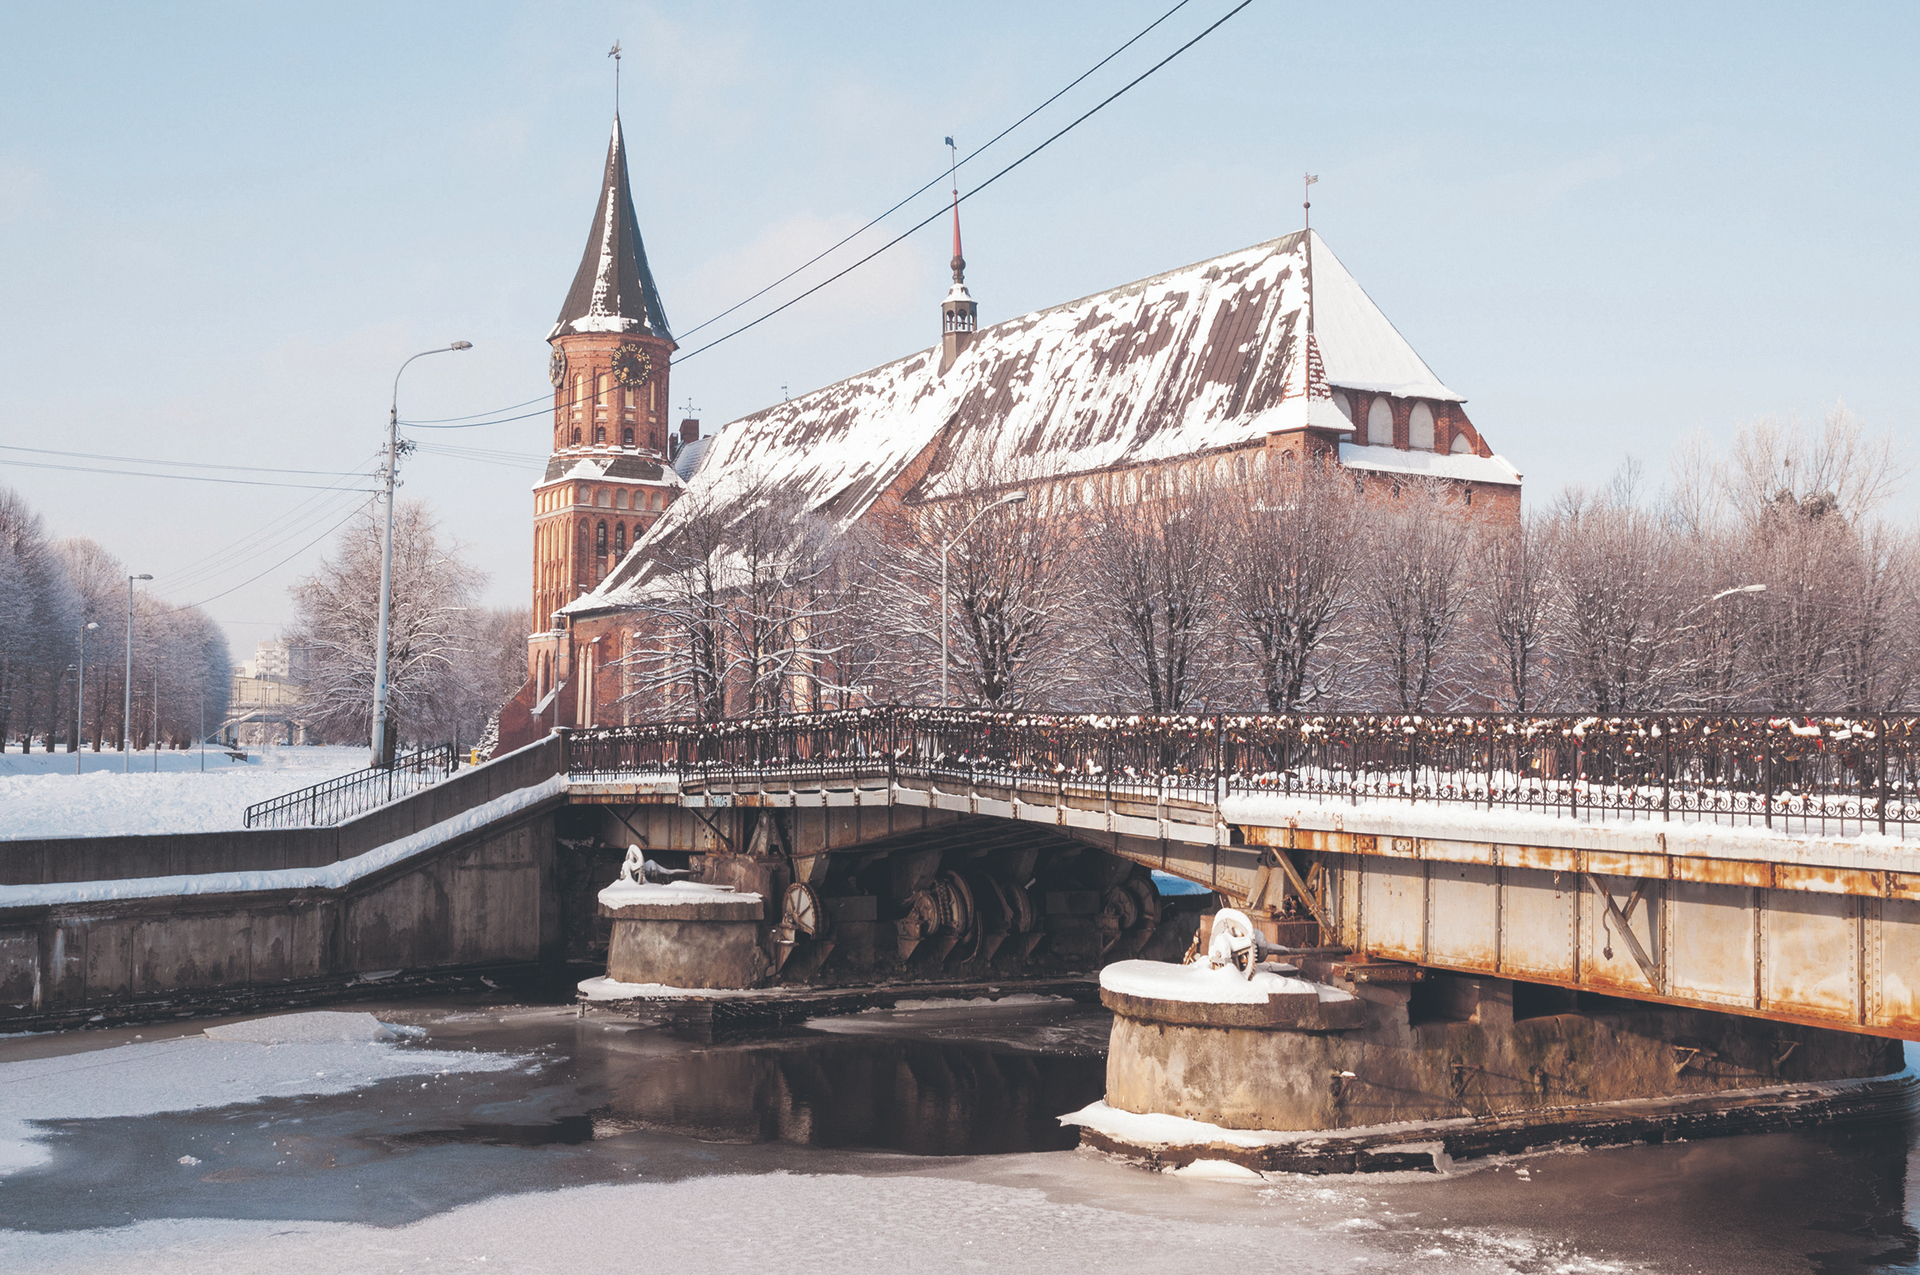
[(1757, 865)]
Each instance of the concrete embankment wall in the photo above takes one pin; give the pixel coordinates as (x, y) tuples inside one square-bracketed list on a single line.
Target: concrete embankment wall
[(484, 896)]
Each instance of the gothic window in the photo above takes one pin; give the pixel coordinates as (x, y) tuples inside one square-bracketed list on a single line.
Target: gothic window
[(1260, 464), (619, 500), (1240, 468), (1380, 423), (576, 436), (579, 391), (1460, 444), (1345, 405), (1286, 460), (603, 498), (600, 434), (1420, 427), (600, 541), (600, 398), (626, 437), (620, 539)]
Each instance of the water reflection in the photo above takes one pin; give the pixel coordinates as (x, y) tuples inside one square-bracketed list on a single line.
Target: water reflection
[(915, 1096)]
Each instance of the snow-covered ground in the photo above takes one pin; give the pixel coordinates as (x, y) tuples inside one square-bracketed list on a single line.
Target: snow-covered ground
[(40, 796)]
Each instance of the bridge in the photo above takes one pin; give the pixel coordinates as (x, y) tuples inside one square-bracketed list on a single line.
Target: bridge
[(1756, 865), (1764, 866)]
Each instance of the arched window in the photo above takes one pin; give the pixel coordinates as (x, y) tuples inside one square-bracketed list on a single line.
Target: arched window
[(1345, 405), (619, 500), (1460, 444), (576, 436), (626, 437), (1260, 464), (1240, 468), (600, 399), (600, 541), (1286, 460), (1420, 427), (603, 498), (600, 434), (1380, 422), (1133, 489), (620, 539)]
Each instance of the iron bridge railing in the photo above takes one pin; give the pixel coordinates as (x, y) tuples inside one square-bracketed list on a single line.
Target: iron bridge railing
[(1829, 775), (339, 799)]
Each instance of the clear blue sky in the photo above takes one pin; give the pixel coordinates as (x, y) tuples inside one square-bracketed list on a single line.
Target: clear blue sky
[(222, 227)]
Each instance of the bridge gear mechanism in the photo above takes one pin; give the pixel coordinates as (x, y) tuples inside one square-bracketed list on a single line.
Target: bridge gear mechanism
[(801, 915)]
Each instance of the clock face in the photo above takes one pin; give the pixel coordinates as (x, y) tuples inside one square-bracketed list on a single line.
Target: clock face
[(557, 368), (632, 365)]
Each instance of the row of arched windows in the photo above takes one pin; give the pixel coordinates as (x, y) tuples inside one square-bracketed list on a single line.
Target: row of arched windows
[(1377, 431)]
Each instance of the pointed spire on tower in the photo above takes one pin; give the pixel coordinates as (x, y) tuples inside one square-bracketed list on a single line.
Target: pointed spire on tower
[(959, 316), (613, 291)]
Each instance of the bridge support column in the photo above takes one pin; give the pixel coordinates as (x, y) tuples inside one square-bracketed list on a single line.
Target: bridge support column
[(1450, 1066)]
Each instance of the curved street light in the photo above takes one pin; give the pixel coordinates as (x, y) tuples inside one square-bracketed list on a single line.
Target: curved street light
[(386, 561), (1011, 498)]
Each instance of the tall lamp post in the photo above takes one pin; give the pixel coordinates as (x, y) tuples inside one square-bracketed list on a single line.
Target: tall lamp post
[(386, 561), (126, 713), (80, 693), (1011, 498)]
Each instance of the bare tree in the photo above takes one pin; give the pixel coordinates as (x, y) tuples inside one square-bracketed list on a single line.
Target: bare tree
[(429, 632), (1159, 585), (1412, 598), (1292, 551), (1010, 595), (39, 634), (1622, 589), (1515, 607)]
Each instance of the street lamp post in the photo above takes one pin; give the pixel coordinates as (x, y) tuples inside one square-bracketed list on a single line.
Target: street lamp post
[(386, 561), (126, 713), (80, 693), (1011, 498)]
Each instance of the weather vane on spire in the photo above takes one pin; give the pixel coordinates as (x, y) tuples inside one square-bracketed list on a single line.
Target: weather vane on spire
[(614, 53), (959, 263), (1306, 199)]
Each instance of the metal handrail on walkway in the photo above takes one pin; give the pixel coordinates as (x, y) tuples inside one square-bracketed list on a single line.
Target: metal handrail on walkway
[(341, 798), (1811, 774)]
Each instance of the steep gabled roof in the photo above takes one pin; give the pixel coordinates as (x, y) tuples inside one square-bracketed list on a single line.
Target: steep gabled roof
[(1212, 355), (613, 290)]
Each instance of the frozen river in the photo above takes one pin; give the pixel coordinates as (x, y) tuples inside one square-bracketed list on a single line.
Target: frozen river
[(504, 1136)]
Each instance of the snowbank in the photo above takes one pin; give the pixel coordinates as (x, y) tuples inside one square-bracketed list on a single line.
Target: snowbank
[(1453, 822), (672, 894), (333, 876), (324, 1057), (40, 796), (1201, 984)]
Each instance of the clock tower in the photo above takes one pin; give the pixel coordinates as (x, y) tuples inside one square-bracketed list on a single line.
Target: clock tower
[(609, 476)]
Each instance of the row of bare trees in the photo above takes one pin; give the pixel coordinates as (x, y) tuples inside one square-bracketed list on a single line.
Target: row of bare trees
[(55, 594), (450, 661), (1759, 579)]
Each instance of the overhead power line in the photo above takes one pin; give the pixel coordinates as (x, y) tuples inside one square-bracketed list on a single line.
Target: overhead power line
[(181, 464), (475, 420), (182, 478), (1102, 105), (284, 561)]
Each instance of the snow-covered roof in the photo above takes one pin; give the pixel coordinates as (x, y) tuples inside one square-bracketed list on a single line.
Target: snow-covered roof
[(1213, 355), (687, 461), (1464, 466), (613, 290), (599, 463)]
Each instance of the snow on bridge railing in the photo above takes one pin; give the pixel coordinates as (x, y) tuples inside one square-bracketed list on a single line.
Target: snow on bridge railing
[(341, 798), (1830, 775)]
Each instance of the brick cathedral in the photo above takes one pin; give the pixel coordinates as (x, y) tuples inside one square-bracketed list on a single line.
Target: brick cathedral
[(1255, 361)]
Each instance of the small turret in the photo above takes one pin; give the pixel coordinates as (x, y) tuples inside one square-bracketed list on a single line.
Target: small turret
[(959, 316)]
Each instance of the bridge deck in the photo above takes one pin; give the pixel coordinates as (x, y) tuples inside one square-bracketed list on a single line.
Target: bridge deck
[(1818, 930)]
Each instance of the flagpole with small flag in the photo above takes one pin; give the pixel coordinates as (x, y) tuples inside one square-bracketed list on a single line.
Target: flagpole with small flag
[(1306, 200)]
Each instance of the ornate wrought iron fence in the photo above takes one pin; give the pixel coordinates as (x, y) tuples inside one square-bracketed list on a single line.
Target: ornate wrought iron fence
[(1829, 775), (345, 796)]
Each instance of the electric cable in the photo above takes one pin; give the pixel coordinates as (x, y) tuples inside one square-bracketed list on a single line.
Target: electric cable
[(284, 561), (183, 478), (1102, 105), (187, 464), (473, 420)]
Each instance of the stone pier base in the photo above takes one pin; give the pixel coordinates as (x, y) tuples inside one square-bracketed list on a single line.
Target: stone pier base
[(1470, 1065)]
